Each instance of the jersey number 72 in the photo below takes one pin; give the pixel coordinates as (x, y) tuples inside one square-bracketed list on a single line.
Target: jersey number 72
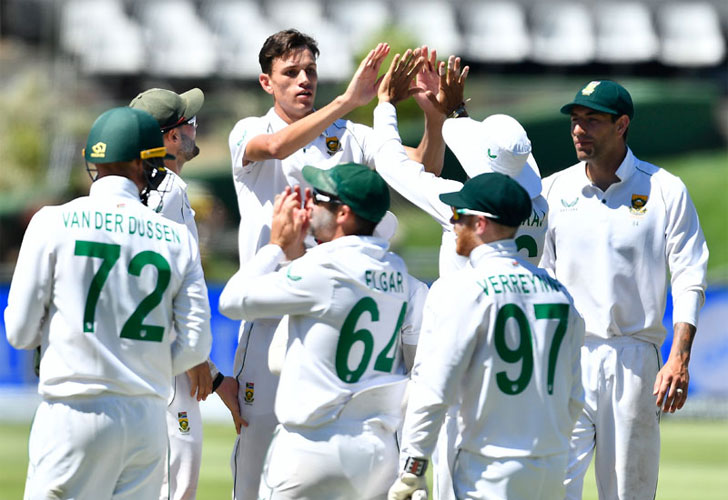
[(109, 253)]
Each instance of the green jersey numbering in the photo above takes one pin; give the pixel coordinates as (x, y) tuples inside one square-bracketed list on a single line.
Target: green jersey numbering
[(523, 352), (349, 336), (134, 328)]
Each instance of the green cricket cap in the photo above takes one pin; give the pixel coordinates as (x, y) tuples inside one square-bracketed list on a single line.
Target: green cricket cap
[(496, 194), (603, 95), (169, 108), (124, 134), (358, 186)]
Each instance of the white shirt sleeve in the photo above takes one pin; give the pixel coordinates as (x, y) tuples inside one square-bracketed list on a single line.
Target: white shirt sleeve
[(31, 287), (191, 317), (687, 258), (301, 288), (548, 257), (441, 362), (406, 176), (240, 135)]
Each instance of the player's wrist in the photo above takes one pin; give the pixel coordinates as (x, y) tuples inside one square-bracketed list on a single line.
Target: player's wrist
[(416, 466), (458, 112), (217, 381)]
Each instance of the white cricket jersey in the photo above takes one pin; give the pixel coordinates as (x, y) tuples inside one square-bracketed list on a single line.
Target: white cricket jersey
[(99, 284), (423, 190), (613, 249), (171, 200), (347, 303), (258, 183), (503, 340)]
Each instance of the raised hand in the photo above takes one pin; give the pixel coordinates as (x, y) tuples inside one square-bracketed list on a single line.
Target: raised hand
[(365, 82), (451, 88), (397, 82), (427, 79), (290, 222)]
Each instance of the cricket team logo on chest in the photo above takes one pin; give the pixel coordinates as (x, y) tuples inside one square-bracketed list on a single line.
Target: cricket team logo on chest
[(249, 393), (184, 423), (333, 145), (639, 202)]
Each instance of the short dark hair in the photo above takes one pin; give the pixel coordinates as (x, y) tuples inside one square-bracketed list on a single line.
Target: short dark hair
[(363, 227), (283, 43)]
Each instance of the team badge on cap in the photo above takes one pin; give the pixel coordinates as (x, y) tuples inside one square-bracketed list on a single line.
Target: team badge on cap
[(249, 393), (590, 88), (184, 423), (98, 150), (333, 145)]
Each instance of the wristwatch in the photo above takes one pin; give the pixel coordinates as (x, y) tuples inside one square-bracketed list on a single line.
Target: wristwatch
[(459, 112)]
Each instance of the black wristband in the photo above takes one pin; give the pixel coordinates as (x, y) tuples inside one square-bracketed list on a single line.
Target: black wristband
[(218, 380), (416, 466)]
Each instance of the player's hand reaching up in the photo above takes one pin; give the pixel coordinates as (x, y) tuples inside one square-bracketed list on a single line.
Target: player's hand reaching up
[(290, 222), (363, 86), (397, 85), (427, 78), (451, 89)]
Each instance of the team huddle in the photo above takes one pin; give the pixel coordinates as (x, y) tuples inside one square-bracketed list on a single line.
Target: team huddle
[(536, 349)]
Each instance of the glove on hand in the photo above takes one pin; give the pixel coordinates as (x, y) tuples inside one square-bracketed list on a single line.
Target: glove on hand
[(408, 486)]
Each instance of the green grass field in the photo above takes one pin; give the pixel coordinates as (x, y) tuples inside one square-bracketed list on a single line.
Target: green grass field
[(694, 463)]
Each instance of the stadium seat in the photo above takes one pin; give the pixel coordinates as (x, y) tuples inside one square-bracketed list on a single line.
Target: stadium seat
[(625, 33), (690, 35), (180, 44), (431, 23), (361, 20), (495, 32), (563, 34)]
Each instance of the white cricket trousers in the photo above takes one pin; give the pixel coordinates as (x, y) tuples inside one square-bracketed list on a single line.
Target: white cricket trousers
[(344, 460), (256, 396), (620, 421), (184, 451), (97, 448), (485, 478)]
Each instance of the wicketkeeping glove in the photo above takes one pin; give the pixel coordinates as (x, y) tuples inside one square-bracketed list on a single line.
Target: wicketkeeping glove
[(411, 483)]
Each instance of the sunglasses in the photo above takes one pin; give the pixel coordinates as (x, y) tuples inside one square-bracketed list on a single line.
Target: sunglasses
[(457, 213), (321, 197), (182, 121)]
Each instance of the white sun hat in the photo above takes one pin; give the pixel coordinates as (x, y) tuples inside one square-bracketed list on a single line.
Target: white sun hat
[(386, 227), (497, 144)]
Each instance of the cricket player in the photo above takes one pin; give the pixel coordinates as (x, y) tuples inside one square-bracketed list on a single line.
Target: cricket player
[(339, 401), (268, 154), (503, 340), (99, 284), (176, 115), (498, 144), (617, 226)]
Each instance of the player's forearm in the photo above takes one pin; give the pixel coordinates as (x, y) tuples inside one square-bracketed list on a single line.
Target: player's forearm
[(422, 423), (298, 134), (431, 150), (682, 343)]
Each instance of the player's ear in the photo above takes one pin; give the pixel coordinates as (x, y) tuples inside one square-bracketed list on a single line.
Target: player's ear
[(622, 124), (264, 80)]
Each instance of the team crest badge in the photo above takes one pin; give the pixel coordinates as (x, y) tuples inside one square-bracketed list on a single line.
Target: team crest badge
[(249, 393), (569, 204), (590, 88), (184, 423), (98, 150), (332, 145), (638, 204)]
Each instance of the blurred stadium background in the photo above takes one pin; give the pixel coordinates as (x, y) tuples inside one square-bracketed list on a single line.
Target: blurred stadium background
[(63, 62)]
